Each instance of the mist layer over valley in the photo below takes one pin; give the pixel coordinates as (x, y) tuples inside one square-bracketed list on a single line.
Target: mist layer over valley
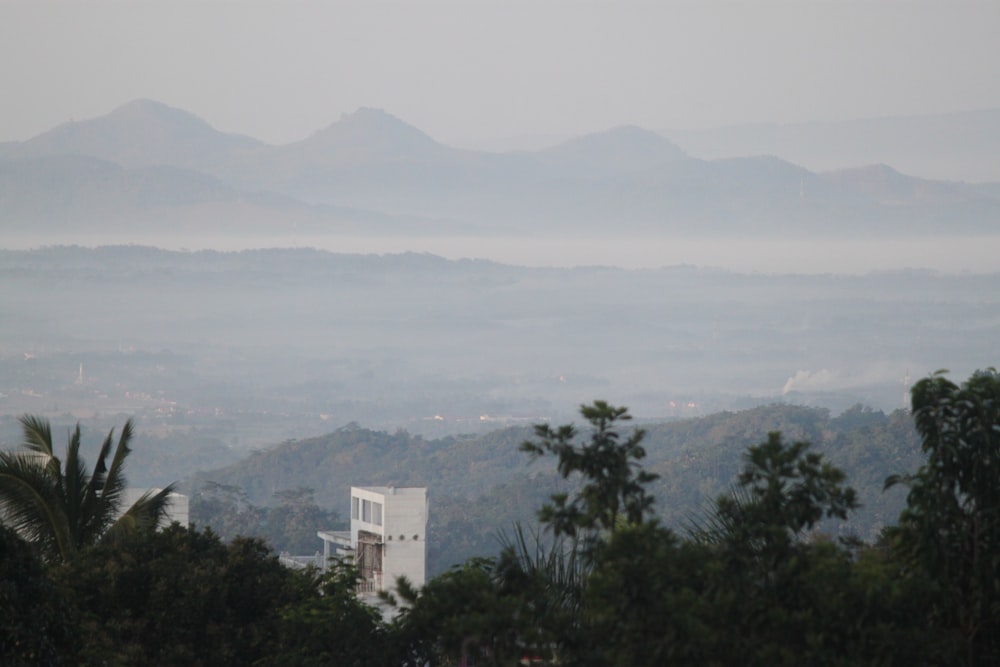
[(632, 334), (232, 294), (435, 345)]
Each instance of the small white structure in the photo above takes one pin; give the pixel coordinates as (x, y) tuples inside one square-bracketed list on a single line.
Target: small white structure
[(177, 505), (388, 536)]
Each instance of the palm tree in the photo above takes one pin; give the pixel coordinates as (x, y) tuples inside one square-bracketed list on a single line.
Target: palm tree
[(549, 576), (62, 509)]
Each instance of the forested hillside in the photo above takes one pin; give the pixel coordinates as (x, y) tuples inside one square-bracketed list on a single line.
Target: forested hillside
[(480, 485)]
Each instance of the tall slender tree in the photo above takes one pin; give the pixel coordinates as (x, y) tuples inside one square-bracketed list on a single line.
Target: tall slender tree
[(61, 507), (613, 491), (950, 529)]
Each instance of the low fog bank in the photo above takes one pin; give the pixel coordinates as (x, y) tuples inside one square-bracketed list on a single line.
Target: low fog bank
[(948, 254), (241, 350)]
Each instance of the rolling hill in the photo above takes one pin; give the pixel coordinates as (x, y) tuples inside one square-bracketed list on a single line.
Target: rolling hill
[(479, 485)]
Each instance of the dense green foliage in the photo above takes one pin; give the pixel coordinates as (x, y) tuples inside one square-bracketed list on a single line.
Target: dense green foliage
[(330, 626), (36, 628), (179, 597), (182, 597), (950, 530), (755, 579)]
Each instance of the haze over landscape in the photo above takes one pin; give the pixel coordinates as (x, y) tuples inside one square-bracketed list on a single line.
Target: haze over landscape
[(824, 86), (319, 252), (473, 73), (245, 223)]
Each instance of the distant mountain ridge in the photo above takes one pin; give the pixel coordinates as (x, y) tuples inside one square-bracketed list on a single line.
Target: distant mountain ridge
[(139, 133), (371, 166), (959, 146), (623, 148)]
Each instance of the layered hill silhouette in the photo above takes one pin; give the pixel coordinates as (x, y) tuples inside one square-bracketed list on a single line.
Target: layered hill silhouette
[(140, 133), (953, 146), (147, 166)]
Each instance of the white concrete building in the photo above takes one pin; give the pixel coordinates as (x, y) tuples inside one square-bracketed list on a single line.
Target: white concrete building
[(388, 536)]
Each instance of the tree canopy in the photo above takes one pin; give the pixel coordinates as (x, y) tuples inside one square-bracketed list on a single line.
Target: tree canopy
[(765, 577), (950, 529)]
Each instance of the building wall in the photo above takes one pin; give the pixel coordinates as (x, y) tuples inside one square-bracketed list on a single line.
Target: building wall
[(398, 515), (406, 535)]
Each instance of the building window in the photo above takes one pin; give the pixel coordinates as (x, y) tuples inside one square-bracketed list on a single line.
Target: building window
[(354, 508), (366, 511), (377, 514)]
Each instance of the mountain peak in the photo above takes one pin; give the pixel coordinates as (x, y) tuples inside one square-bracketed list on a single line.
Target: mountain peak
[(370, 114), (143, 108), (140, 115), (138, 133), (621, 147), (373, 132)]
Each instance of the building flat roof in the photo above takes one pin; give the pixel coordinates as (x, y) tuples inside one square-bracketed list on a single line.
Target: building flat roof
[(395, 490)]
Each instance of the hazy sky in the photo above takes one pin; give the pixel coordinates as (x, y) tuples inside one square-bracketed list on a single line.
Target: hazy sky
[(476, 70)]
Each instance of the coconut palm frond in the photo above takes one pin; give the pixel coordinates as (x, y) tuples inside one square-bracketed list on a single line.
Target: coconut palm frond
[(102, 496), (145, 514), (114, 480), (37, 434), (72, 484), (717, 522), (32, 505), (61, 510), (556, 561), (100, 473)]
